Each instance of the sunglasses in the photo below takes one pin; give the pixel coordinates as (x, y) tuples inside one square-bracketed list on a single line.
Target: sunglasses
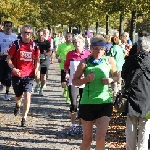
[(27, 32), (8, 25)]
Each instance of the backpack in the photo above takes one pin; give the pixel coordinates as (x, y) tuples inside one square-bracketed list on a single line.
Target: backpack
[(17, 44)]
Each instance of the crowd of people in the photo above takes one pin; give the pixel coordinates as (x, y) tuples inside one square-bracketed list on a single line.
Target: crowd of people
[(90, 65)]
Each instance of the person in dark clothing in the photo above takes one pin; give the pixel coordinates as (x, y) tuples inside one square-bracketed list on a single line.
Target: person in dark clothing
[(45, 51), (139, 96)]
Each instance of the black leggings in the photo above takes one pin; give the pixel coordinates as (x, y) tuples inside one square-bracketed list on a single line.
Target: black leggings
[(73, 95)]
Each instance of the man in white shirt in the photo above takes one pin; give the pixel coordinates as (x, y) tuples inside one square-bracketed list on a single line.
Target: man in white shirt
[(6, 39)]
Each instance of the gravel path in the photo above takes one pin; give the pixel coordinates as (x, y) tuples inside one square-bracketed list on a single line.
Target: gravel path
[(48, 121)]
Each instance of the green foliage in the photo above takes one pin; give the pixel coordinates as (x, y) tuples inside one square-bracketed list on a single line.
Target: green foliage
[(40, 13)]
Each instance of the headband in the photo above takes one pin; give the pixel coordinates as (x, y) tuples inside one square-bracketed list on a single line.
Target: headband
[(98, 44)]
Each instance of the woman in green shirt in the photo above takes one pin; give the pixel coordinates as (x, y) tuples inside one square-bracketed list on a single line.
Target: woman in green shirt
[(96, 103)]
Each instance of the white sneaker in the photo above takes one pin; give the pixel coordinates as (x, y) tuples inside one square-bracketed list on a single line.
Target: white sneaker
[(41, 93), (7, 98)]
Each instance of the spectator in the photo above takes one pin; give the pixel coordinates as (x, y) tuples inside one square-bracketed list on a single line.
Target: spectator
[(137, 126)]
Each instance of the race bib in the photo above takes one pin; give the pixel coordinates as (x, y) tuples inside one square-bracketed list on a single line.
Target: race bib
[(26, 56), (42, 56)]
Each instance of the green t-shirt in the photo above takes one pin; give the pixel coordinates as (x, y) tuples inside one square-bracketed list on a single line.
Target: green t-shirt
[(62, 51), (96, 92), (118, 54), (56, 41)]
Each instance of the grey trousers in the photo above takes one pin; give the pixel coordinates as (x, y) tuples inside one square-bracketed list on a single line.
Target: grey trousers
[(137, 133)]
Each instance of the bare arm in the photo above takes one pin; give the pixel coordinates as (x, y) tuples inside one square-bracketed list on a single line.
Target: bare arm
[(37, 63), (10, 64), (9, 61), (113, 69)]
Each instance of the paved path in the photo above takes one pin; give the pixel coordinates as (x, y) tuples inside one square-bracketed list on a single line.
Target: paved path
[(48, 121)]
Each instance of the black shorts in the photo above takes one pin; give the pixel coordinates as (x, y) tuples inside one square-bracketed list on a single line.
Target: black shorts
[(43, 70), (23, 84), (63, 76), (5, 73), (90, 112)]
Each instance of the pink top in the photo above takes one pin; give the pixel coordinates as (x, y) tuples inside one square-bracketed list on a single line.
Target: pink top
[(74, 56), (72, 61)]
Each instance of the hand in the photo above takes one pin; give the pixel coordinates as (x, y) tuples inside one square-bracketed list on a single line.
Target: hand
[(59, 60), (107, 81), (16, 72), (67, 76), (90, 77)]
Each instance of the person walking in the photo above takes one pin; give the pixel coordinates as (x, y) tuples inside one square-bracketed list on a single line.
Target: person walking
[(24, 63), (96, 103), (137, 125)]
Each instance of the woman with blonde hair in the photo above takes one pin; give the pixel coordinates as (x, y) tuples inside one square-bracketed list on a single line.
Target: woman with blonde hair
[(96, 103), (73, 59)]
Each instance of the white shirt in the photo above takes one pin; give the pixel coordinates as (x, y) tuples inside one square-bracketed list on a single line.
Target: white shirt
[(73, 67), (6, 42)]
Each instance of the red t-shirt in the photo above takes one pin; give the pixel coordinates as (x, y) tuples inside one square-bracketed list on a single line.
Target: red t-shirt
[(23, 58)]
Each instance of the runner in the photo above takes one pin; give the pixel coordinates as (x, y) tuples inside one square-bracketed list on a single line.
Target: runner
[(47, 36), (96, 103), (44, 46), (61, 53), (55, 46), (23, 70), (73, 58), (6, 39)]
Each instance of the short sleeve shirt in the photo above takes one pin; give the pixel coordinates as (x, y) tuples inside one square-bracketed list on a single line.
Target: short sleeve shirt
[(23, 58)]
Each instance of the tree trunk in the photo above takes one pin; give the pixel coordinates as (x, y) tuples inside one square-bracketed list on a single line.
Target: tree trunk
[(97, 27), (133, 27), (121, 25), (69, 29), (107, 24)]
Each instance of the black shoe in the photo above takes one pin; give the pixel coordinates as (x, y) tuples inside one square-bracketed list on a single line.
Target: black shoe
[(16, 110), (23, 122)]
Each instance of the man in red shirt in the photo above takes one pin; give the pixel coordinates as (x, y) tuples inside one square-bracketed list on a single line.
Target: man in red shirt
[(24, 64)]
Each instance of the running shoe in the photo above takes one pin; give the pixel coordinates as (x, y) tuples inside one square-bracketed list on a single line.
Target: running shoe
[(16, 110), (71, 130), (36, 89), (23, 122), (41, 93), (7, 98), (78, 130)]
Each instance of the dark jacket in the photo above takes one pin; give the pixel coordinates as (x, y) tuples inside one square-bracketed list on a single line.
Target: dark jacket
[(139, 96)]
